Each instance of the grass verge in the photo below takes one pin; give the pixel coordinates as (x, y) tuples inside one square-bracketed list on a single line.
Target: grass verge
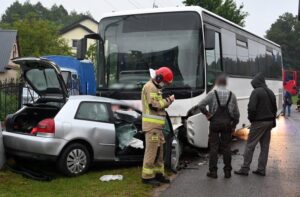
[(295, 99), (12, 184)]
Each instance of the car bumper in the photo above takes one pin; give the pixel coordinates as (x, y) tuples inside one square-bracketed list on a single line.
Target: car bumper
[(32, 146)]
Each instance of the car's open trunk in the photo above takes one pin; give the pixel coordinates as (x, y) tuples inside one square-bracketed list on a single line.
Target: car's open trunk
[(26, 119)]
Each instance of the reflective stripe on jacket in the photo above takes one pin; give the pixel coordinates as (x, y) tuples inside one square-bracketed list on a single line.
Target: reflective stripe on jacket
[(154, 116)]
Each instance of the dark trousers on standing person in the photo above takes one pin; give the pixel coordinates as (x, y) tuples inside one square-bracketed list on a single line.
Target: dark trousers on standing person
[(287, 108), (259, 132), (219, 137)]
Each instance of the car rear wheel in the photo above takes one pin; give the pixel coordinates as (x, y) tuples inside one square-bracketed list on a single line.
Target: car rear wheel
[(74, 160)]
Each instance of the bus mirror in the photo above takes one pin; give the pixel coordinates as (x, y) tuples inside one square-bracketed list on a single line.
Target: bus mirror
[(81, 49), (82, 44), (209, 39)]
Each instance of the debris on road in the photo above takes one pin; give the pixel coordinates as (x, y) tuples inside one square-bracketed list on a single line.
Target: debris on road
[(202, 163), (235, 151), (107, 178)]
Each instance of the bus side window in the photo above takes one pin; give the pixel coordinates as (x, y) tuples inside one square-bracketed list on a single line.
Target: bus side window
[(213, 62)]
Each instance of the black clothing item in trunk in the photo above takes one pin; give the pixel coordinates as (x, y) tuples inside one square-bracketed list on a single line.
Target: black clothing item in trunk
[(29, 117)]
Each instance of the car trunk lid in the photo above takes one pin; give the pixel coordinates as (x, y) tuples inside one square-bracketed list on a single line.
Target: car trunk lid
[(43, 76)]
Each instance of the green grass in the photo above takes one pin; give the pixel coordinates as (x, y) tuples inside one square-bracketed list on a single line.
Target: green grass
[(295, 99), (12, 184)]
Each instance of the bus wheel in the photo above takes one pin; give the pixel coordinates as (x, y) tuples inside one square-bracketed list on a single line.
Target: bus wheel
[(175, 154)]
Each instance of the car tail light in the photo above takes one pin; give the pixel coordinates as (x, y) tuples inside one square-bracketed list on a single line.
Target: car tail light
[(45, 128)]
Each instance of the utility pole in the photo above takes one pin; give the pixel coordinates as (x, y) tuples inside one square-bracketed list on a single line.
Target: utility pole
[(154, 4)]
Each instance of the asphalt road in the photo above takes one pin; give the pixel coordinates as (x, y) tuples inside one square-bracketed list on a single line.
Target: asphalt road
[(283, 171)]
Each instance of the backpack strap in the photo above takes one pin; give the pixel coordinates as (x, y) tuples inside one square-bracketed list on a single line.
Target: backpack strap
[(229, 98), (217, 97)]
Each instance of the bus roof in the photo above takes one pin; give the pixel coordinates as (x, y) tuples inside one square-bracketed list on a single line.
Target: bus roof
[(182, 8)]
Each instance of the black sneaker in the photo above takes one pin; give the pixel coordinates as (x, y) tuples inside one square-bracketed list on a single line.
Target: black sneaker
[(241, 172), (259, 173), (161, 178), (152, 182), (213, 175), (227, 174)]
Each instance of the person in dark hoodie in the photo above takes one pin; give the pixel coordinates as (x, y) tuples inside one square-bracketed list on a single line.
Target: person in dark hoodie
[(262, 111)]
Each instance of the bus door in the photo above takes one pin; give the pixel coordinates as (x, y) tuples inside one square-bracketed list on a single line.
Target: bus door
[(213, 56), (197, 125)]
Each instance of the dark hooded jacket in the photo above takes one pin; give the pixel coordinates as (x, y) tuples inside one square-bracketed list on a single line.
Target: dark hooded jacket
[(262, 104)]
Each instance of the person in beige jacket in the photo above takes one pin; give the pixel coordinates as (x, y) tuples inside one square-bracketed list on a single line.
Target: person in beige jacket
[(154, 118)]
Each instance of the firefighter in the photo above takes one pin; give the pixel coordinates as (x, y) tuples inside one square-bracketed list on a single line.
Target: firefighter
[(154, 117)]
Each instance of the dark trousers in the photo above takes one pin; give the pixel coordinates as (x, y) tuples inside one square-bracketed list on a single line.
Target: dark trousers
[(219, 137), (260, 132)]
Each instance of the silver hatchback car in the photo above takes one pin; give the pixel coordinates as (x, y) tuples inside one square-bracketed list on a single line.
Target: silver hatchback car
[(75, 131)]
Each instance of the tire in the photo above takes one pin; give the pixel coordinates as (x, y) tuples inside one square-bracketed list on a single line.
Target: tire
[(74, 160), (175, 153)]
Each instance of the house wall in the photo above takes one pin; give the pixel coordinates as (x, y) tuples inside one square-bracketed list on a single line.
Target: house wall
[(90, 24), (13, 70), (76, 34), (9, 74), (15, 51)]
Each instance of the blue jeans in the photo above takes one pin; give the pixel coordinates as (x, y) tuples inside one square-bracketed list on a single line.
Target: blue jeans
[(288, 107)]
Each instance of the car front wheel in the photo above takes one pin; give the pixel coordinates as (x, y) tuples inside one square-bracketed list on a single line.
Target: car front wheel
[(74, 160)]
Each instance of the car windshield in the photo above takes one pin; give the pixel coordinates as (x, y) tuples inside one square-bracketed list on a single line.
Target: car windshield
[(135, 43)]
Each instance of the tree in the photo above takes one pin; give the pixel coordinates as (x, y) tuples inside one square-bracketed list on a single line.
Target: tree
[(225, 8), (286, 32), (91, 53), (38, 37), (57, 13)]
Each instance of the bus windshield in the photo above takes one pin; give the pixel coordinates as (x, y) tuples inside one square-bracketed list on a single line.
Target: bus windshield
[(135, 43)]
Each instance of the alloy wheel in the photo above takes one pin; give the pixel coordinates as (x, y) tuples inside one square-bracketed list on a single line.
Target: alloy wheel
[(76, 161)]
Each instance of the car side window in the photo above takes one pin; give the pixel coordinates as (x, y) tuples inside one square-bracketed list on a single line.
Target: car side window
[(93, 111)]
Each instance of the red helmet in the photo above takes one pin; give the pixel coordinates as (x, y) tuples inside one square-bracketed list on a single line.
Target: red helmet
[(164, 74)]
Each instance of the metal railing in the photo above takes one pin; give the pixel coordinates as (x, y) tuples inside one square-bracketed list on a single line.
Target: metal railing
[(10, 97)]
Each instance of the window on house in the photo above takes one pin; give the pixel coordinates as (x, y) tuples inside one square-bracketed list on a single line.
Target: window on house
[(74, 43)]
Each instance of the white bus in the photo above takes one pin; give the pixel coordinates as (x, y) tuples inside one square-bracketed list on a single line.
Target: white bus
[(197, 45)]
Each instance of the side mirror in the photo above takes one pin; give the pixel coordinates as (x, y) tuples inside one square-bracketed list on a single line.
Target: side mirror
[(81, 49), (209, 39), (82, 45)]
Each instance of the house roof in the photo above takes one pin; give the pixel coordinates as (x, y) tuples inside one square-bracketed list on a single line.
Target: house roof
[(77, 24), (7, 40)]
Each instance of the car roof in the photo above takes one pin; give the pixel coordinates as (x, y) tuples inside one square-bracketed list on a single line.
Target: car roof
[(99, 99)]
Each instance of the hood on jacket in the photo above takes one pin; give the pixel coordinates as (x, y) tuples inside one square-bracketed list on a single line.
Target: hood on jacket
[(258, 81)]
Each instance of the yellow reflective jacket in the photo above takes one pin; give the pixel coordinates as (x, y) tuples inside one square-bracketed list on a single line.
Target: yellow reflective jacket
[(154, 116)]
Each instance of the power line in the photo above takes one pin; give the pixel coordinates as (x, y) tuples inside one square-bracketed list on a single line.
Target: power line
[(111, 5), (133, 4), (154, 4), (137, 3)]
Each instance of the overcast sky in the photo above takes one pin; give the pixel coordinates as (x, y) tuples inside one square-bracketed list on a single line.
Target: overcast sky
[(262, 13)]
